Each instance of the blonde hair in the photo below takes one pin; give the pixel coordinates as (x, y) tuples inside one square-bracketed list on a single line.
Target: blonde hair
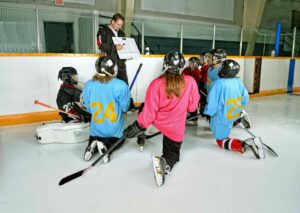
[(174, 84), (102, 78)]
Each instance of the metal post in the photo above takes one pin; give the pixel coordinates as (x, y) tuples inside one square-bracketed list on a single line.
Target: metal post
[(95, 28), (38, 40), (181, 37), (277, 39), (265, 40), (143, 37), (214, 37), (241, 41), (294, 42)]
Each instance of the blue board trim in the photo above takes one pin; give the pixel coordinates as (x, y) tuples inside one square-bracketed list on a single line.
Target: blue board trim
[(291, 76)]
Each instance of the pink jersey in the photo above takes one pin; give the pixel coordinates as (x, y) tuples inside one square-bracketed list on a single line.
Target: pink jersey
[(169, 115)]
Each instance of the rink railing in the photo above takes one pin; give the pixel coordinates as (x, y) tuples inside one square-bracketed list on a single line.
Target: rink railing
[(30, 76)]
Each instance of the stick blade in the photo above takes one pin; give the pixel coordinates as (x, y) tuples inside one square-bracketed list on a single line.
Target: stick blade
[(271, 150), (71, 177), (151, 136)]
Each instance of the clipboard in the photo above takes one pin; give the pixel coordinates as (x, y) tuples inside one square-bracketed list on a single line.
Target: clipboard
[(130, 49)]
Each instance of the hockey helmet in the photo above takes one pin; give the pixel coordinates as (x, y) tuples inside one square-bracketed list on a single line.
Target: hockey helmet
[(173, 62), (195, 61), (229, 69), (205, 57), (218, 55), (106, 65), (68, 75)]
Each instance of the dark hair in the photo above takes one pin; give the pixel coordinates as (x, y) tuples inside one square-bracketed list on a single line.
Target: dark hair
[(117, 16)]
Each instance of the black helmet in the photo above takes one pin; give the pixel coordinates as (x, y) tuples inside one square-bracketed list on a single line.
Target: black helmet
[(205, 54), (173, 62), (229, 69), (106, 65), (218, 54), (205, 57), (68, 75), (195, 61)]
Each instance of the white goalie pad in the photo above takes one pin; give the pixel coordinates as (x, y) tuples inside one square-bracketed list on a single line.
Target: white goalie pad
[(63, 133)]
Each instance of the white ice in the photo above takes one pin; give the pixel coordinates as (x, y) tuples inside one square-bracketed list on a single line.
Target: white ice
[(207, 178)]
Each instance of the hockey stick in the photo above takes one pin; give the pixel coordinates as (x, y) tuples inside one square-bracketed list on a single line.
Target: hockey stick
[(82, 172), (151, 136), (158, 133), (250, 133), (203, 93), (268, 147), (50, 107), (135, 76)]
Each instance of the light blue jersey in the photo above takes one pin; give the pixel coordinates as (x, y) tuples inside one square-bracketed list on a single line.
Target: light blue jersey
[(212, 76), (224, 104), (106, 102)]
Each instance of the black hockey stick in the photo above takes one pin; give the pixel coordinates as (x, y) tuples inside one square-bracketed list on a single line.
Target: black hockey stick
[(81, 172), (151, 136), (158, 133), (135, 76), (268, 147)]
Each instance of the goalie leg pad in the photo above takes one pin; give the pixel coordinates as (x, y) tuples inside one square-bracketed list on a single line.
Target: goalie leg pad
[(63, 133)]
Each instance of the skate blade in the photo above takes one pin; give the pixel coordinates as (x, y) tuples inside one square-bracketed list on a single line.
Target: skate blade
[(87, 156), (260, 149), (157, 172)]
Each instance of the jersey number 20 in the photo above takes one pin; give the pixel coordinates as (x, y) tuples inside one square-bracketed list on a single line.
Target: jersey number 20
[(109, 112), (236, 103)]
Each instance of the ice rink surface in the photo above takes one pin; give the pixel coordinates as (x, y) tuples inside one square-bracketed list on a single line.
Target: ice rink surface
[(207, 178)]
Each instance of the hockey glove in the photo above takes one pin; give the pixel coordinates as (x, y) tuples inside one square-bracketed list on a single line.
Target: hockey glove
[(134, 130)]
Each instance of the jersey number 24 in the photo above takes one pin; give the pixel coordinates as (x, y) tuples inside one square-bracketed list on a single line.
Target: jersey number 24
[(109, 112)]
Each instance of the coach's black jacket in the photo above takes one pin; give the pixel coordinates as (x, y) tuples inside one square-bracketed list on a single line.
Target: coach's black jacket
[(105, 42)]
